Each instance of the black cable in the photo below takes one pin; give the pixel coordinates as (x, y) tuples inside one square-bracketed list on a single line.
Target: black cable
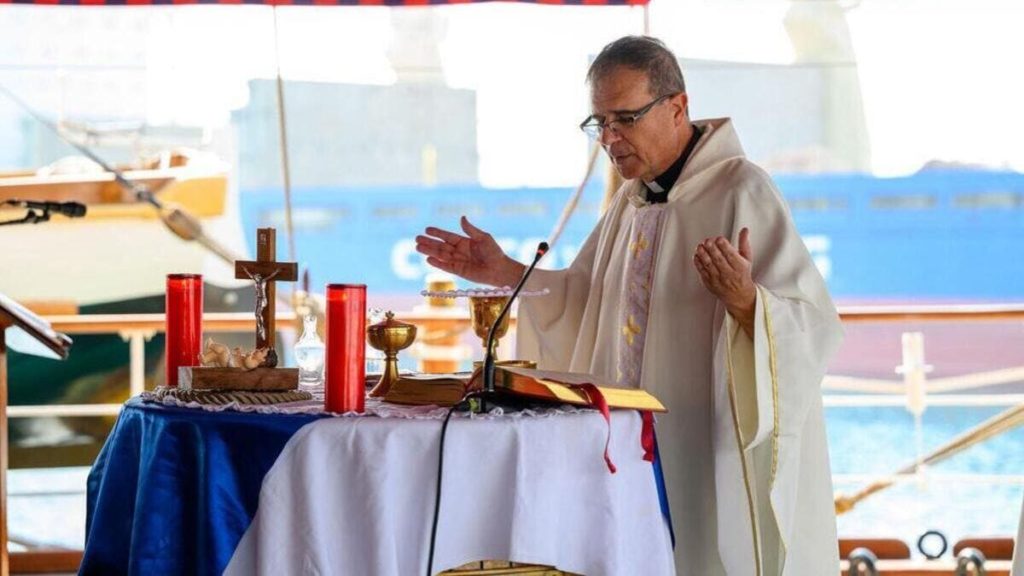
[(463, 405), (437, 496)]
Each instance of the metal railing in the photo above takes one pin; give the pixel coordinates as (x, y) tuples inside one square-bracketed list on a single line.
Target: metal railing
[(136, 330), (914, 390), (911, 391)]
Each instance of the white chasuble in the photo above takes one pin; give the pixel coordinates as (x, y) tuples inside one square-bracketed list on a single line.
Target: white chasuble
[(743, 445), (1017, 568)]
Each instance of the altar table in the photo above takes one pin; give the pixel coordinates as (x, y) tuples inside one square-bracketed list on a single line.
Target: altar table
[(179, 490)]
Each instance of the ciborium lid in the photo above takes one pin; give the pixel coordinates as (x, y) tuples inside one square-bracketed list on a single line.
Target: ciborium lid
[(389, 321)]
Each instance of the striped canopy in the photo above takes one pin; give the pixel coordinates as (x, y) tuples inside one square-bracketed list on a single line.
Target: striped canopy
[(321, 2)]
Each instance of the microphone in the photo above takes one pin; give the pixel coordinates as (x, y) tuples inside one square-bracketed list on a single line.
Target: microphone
[(69, 209), (542, 249)]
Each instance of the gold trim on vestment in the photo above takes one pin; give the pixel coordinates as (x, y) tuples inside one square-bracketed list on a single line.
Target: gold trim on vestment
[(776, 426), (742, 453), (773, 369)]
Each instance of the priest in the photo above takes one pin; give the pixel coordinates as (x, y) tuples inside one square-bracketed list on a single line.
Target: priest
[(695, 286)]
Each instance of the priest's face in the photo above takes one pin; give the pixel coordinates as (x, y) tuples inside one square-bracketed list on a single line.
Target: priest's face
[(647, 147)]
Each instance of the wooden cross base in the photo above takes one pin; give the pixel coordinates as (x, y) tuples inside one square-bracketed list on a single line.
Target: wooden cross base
[(255, 380)]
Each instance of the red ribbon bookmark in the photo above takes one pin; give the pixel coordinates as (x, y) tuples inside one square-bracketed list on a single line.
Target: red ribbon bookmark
[(596, 400), (647, 435)]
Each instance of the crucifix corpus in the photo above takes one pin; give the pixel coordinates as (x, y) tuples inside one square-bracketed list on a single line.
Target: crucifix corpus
[(264, 272)]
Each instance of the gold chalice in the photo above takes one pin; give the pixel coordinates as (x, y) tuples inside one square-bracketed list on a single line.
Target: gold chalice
[(390, 337), (483, 311)]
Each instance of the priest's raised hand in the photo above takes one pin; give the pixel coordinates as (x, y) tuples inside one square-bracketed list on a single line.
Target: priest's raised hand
[(725, 272), (475, 256)]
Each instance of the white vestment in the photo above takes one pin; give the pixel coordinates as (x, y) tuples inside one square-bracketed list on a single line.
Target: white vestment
[(770, 511), (1017, 568)]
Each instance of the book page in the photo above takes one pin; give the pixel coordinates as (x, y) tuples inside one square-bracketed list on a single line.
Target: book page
[(427, 377), (559, 377)]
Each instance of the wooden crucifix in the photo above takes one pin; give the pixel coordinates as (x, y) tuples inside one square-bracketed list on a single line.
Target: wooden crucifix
[(264, 272)]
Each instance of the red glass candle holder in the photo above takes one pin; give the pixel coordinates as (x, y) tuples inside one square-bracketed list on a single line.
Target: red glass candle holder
[(184, 314), (345, 372)]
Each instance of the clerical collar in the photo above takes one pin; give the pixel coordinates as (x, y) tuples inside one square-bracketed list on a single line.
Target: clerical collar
[(657, 191)]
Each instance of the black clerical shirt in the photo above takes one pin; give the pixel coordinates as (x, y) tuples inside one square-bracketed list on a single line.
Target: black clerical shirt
[(657, 191)]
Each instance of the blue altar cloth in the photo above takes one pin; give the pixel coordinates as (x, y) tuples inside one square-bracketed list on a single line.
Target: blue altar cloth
[(174, 489)]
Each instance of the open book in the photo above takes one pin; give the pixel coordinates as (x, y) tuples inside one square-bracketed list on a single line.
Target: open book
[(521, 383), (423, 389)]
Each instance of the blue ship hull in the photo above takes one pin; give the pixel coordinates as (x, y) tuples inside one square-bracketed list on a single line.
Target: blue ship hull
[(936, 236)]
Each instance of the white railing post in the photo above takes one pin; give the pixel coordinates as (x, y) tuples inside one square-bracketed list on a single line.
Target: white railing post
[(915, 371), (136, 358)]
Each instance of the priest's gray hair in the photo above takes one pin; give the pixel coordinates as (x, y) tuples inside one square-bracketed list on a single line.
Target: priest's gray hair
[(646, 54)]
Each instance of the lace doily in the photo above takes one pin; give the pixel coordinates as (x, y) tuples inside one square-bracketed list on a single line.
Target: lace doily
[(485, 292), (374, 407)]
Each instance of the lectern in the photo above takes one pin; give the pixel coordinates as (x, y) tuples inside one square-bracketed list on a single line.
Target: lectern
[(27, 333)]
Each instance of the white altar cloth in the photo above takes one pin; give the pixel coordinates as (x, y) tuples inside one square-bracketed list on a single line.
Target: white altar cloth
[(356, 496)]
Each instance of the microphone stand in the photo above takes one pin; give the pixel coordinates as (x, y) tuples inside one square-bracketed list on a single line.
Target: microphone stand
[(488, 389), (69, 209)]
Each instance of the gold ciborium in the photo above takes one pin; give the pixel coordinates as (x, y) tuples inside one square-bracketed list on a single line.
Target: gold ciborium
[(483, 311), (390, 337)]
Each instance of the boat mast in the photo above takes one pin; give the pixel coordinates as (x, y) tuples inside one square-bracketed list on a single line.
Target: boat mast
[(282, 125)]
